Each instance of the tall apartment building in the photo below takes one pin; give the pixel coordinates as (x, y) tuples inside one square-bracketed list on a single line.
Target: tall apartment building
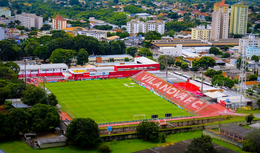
[(201, 32), (220, 19), (136, 26), (238, 19), (29, 20), (5, 11), (252, 45), (59, 22)]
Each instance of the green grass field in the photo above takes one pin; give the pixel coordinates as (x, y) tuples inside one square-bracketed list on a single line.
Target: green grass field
[(111, 100)]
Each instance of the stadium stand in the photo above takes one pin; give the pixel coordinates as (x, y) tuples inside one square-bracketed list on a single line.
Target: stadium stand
[(178, 96)]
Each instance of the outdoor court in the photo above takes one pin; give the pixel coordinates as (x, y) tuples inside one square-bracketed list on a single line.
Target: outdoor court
[(111, 100)]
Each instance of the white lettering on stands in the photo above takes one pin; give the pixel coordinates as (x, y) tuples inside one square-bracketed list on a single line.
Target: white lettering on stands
[(182, 96), (191, 99), (171, 92), (146, 77), (165, 87), (151, 81), (157, 84), (197, 102)]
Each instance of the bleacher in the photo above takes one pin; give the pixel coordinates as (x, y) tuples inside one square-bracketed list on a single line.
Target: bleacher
[(178, 96)]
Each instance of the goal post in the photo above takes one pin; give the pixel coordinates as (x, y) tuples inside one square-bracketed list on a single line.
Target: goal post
[(138, 116)]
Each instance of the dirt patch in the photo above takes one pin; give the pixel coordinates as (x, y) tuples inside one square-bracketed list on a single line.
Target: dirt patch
[(46, 135), (179, 147)]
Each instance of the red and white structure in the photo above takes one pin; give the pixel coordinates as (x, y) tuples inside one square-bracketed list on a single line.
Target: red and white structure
[(59, 22), (61, 70)]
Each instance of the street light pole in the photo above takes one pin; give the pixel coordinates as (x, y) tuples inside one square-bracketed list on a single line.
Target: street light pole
[(201, 70), (25, 63)]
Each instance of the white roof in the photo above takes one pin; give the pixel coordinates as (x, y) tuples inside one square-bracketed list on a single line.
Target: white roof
[(215, 95), (44, 66), (144, 60), (256, 125), (234, 99), (188, 53), (110, 56)]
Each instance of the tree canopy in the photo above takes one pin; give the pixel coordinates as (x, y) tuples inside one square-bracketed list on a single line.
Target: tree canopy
[(252, 143), (255, 58), (83, 131), (214, 50), (82, 56), (148, 130), (33, 95), (201, 144), (44, 117), (203, 62), (131, 51), (145, 52)]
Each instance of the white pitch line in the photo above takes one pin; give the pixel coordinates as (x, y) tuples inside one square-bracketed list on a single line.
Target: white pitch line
[(103, 117)]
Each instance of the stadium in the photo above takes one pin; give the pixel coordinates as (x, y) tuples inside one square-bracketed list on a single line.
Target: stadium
[(120, 93)]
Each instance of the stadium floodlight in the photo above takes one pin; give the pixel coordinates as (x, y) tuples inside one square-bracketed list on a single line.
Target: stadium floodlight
[(154, 116)]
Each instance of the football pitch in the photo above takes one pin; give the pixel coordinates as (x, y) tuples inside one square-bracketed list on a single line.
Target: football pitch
[(111, 100)]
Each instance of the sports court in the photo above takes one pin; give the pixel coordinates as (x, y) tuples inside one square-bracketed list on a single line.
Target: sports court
[(111, 100)]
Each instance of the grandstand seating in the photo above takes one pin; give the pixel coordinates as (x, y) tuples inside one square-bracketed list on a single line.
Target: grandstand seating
[(177, 95)]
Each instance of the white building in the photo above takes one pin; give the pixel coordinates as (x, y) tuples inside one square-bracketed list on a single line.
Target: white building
[(29, 20), (99, 34), (172, 51), (2, 33), (5, 11), (136, 26), (252, 45)]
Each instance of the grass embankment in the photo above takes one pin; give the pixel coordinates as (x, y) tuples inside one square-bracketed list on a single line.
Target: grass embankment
[(124, 146)]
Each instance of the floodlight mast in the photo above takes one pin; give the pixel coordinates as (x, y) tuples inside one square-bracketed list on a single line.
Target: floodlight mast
[(242, 77)]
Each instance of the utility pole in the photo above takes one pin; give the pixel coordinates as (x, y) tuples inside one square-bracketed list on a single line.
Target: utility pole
[(25, 63), (201, 70), (166, 67)]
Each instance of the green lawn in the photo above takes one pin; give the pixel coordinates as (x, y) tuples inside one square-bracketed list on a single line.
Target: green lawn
[(111, 100), (124, 146)]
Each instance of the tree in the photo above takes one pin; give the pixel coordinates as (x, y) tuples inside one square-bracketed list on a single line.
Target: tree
[(226, 48), (201, 144), (57, 33), (15, 67), (104, 149), (163, 137), (238, 62), (203, 62), (8, 105), (152, 35), (19, 120), (255, 58), (249, 118), (44, 117), (149, 130), (170, 59), (252, 77), (41, 52), (33, 95), (62, 55), (46, 27), (178, 63), (184, 65), (145, 52), (30, 47), (214, 50), (252, 143), (173, 15), (126, 59), (52, 100), (258, 102), (225, 55), (4, 3), (83, 132), (220, 80), (82, 56), (211, 73), (131, 51)]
